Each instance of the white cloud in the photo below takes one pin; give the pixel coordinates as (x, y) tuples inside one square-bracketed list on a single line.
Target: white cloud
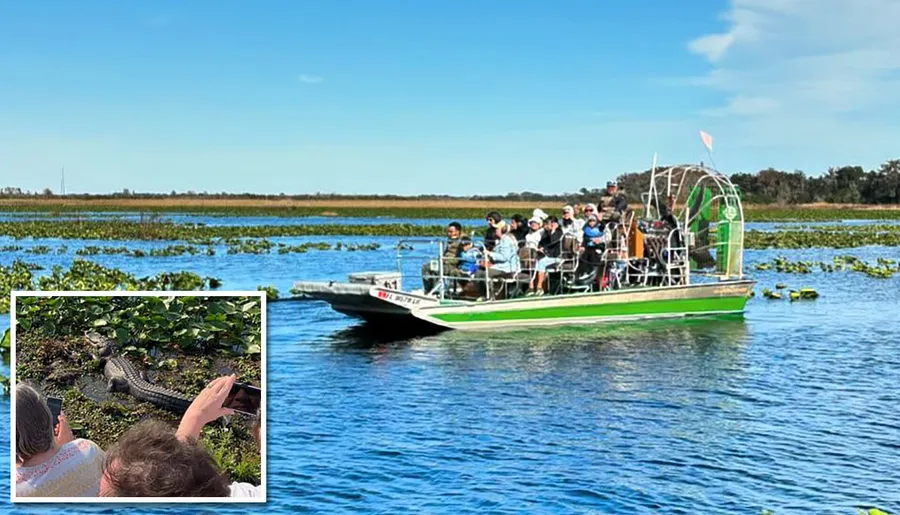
[(310, 79), (806, 76), (821, 55)]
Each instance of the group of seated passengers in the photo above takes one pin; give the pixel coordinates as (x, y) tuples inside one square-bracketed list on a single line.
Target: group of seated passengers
[(542, 232)]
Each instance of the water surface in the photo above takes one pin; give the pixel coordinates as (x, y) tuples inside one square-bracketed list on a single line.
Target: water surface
[(792, 407)]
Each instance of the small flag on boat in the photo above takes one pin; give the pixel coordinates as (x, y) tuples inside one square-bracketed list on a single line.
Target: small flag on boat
[(707, 140)]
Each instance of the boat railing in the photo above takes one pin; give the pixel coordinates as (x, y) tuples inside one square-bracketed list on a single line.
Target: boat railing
[(435, 264), (676, 257)]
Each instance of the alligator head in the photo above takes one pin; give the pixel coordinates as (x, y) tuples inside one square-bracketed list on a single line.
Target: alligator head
[(101, 346)]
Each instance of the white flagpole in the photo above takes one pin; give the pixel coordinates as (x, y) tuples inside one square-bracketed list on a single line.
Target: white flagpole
[(652, 191), (668, 183), (709, 150)]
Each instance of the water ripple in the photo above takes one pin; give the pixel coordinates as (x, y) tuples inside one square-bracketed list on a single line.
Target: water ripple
[(791, 408)]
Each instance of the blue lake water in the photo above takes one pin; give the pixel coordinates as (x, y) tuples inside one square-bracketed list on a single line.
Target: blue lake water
[(792, 407)]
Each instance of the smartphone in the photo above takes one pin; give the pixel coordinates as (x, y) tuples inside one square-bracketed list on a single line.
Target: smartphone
[(243, 398), (55, 405)]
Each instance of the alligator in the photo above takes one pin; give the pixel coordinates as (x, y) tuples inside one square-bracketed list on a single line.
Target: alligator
[(123, 377)]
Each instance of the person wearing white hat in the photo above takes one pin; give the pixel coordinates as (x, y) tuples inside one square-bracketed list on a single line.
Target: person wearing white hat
[(533, 238), (540, 214), (570, 224)]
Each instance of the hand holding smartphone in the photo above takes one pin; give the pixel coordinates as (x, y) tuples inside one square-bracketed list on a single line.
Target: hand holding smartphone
[(55, 405), (244, 398)]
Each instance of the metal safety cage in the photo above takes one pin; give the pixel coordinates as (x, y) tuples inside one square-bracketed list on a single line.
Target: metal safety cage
[(708, 208)]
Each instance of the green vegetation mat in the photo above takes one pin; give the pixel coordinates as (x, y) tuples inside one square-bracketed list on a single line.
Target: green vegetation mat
[(883, 268), (183, 343), (86, 275), (752, 213), (235, 237)]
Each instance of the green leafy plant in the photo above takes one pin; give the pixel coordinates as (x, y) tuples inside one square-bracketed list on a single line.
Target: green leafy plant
[(142, 325), (87, 275)]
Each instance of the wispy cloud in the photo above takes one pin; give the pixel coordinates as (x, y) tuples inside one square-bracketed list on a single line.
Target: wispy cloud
[(822, 56), (310, 79), (817, 73)]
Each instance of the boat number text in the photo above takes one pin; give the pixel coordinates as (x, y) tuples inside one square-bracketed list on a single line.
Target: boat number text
[(402, 299)]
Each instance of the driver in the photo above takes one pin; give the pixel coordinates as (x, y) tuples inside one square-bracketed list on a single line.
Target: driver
[(613, 204), (450, 258)]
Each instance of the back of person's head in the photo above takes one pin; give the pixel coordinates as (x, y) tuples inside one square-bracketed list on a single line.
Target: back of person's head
[(465, 241), (150, 461), (495, 216), (34, 424)]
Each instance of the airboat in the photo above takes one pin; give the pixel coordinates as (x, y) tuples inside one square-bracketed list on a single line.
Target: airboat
[(681, 256)]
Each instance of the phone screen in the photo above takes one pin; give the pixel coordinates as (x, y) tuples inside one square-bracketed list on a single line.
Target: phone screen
[(55, 405), (243, 398)]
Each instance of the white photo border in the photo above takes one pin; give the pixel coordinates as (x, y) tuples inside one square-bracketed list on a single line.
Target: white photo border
[(137, 500)]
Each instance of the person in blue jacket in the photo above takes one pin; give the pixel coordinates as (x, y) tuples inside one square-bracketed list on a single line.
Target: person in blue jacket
[(592, 245), (500, 263)]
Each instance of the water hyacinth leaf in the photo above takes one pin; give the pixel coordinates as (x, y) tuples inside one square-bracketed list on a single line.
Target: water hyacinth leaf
[(122, 334)]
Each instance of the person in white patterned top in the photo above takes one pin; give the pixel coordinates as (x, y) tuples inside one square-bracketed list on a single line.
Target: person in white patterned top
[(51, 462)]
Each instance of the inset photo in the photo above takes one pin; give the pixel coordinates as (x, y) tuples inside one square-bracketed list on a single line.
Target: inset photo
[(140, 396)]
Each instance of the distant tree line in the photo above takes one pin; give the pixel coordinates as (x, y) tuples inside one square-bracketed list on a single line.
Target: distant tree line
[(846, 184), (840, 185)]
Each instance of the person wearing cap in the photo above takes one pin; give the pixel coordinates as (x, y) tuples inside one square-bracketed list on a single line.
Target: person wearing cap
[(593, 233), (613, 204), (468, 260), (570, 224), (504, 259), (536, 232)]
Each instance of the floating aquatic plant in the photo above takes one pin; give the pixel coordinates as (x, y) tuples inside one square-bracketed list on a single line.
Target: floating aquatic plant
[(86, 275), (271, 292), (801, 294), (883, 269)]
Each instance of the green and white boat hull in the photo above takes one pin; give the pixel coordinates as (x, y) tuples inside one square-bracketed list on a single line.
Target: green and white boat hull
[(726, 297)]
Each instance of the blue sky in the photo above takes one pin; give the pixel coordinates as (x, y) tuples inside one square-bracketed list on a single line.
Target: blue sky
[(456, 97)]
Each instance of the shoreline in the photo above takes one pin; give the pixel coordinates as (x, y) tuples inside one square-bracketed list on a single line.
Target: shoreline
[(419, 204)]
